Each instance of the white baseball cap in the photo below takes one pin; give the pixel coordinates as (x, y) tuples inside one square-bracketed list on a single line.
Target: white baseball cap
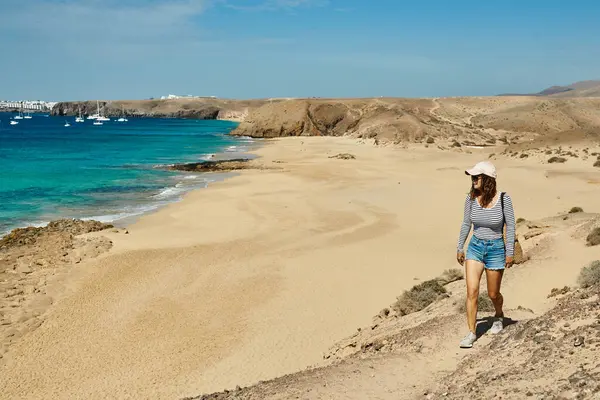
[(483, 168)]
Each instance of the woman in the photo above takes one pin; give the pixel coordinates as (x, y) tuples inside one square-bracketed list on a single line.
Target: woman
[(488, 211)]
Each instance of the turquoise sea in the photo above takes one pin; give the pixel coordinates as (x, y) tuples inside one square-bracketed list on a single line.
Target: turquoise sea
[(108, 172)]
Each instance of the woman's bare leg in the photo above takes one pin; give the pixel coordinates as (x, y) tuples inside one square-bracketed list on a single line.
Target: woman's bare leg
[(494, 280), (474, 270)]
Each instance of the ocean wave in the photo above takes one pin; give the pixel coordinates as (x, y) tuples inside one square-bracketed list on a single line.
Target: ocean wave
[(127, 213), (169, 192), (236, 149)]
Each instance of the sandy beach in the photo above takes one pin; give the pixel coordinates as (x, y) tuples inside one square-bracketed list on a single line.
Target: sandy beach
[(257, 276)]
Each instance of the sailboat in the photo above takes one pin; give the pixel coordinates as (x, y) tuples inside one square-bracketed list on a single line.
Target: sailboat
[(67, 124), (14, 122), (20, 116), (28, 115), (122, 119), (97, 115), (79, 118)]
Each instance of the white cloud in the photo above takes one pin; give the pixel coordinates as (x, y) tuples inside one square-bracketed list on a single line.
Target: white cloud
[(273, 5), (109, 21)]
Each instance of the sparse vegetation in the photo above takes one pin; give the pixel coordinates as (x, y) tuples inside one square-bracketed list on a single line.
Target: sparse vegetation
[(524, 155), (344, 156), (593, 239), (589, 275), (430, 140), (557, 292), (575, 210), (483, 304), (548, 152), (450, 275), (455, 144), (597, 164), (555, 159), (419, 297), (519, 220)]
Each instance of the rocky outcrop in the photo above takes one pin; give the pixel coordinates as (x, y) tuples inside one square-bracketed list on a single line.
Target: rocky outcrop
[(193, 108), (216, 166), (30, 259)]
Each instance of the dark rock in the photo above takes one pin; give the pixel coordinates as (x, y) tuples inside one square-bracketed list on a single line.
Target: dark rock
[(215, 166)]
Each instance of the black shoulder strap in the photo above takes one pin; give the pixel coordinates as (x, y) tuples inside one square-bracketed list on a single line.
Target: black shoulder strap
[(502, 205)]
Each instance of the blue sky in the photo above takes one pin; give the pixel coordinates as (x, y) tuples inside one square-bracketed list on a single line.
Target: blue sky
[(117, 49)]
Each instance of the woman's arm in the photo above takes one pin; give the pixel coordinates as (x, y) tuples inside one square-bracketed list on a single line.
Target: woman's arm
[(466, 225), (509, 218)]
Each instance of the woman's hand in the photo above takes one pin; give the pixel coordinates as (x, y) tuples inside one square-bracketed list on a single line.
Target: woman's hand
[(460, 257), (509, 262)]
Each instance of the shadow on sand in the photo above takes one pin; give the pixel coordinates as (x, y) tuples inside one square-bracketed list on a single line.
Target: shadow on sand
[(484, 325)]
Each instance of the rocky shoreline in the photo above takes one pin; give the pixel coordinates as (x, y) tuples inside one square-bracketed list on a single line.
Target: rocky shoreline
[(30, 259), (209, 109)]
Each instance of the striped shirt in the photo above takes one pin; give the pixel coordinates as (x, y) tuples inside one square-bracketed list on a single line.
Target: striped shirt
[(488, 223)]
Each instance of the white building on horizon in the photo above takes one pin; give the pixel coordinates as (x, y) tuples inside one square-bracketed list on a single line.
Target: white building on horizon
[(189, 96), (32, 105)]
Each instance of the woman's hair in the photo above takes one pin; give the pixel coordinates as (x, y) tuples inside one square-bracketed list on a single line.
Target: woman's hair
[(487, 192)]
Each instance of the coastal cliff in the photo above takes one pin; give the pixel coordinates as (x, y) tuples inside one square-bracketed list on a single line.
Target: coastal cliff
[(193, 108), (467, 121)]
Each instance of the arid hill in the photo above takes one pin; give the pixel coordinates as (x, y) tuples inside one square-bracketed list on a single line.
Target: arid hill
[(577, 89), (468, 120)]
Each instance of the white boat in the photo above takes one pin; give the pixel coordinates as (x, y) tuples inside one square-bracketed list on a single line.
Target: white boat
[(67, 124), (79, 118), (98, 122), (100, 117), (28, 116), (14, 122), (97, 115), (20, 116), (122, 119)]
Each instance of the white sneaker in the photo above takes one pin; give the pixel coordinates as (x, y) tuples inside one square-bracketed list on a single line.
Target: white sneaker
[(468, 341), (497, 326)]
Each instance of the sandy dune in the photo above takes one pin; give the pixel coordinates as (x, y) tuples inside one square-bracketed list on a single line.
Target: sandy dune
[(259, 275)]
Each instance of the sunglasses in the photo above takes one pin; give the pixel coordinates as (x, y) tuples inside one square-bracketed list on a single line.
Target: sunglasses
[(475, 177)]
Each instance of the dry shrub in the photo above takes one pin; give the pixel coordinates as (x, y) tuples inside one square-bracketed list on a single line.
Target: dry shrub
[(450, 275), (419, 297), (589, 275), (597, 164), (593, 239), (519, 220), (344, 156), (524, 155), (483, 304), (557, 292), (455, 144), (575, 210), (553, 160), (430, 140)]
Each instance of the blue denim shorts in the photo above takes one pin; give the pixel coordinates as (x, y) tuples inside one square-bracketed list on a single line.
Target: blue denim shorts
[(489, 252)]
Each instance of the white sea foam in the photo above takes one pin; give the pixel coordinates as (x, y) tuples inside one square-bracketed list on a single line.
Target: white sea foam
[(128, 212), (169, 192), (236, 149)]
